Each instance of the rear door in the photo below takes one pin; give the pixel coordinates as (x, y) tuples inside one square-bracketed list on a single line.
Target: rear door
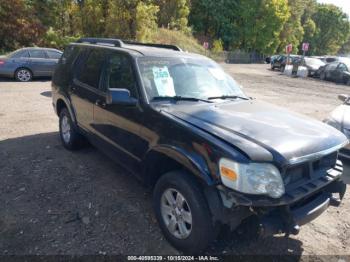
[(84, 89), (52, 60), (37, 62)]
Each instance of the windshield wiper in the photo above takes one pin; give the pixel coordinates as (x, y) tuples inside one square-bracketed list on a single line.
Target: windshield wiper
[(180, 98), (228, 97)]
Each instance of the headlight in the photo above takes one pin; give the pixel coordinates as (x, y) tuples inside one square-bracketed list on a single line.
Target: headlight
[(254, 178)]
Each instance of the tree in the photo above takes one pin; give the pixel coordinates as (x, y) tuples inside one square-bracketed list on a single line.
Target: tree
[(146, 21), (18, 25), (293, 31), (260, 23), (173, 14), (332, 30)]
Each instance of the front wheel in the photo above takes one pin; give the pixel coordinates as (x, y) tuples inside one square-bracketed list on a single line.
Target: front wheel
[(23, 75), (183, 213)]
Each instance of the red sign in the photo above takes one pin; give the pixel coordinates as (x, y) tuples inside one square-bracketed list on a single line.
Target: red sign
[(305, 47), (289, 48), (206, 45)]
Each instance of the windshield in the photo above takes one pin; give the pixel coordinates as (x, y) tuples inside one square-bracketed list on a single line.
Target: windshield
[(185, 77)]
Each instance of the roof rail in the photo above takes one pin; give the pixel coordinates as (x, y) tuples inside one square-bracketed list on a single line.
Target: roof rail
[(172, 47), (108, 41), (120, 43)]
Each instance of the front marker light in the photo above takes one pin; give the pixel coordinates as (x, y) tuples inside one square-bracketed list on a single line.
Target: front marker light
[(253, 178)]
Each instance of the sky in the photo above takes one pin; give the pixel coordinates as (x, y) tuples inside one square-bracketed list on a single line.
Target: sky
[(344, 4)]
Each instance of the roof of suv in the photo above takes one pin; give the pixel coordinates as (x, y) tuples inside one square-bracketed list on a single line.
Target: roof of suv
[(139, 49)]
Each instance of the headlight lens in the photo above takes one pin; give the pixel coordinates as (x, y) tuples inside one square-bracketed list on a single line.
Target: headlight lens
[(253, 178)]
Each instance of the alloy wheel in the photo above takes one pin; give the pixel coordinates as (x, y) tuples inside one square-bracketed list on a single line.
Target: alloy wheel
[(24, 75), (65, 129), (176, 213)]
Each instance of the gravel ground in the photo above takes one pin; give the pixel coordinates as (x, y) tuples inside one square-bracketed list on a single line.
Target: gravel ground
[(57, 202)]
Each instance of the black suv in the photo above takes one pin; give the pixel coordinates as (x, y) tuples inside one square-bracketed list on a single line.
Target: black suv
[(211, 154)]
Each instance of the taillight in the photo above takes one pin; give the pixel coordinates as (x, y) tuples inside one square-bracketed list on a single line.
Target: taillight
[(2, 62)]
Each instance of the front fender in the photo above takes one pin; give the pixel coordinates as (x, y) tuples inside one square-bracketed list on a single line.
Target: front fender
[(192, 161)]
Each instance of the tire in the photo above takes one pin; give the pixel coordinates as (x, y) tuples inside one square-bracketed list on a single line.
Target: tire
[(23, 75), (272, 67), (198, 234), (71, 139), (322, 76)]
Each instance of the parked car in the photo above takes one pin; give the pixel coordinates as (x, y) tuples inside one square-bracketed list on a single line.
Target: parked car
[(281, 61), (340, 119), (312, 65), (270, 59), (337, 72), (26, 63), (211, 154)]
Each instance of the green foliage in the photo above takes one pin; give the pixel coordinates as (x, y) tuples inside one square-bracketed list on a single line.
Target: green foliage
[(217, 46), (259, 26), (173, 14), (332, 30), (146, 21), (183, 40), (53, 39)]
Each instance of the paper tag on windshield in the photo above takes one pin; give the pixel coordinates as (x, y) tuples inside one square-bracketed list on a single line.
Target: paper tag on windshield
[(217, 73), (163, 81)]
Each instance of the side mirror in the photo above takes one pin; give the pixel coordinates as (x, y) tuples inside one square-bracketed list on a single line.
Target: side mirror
[(118, 96), (343, 97)]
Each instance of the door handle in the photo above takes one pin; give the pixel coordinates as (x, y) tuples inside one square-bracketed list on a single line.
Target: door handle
[(100, 103)]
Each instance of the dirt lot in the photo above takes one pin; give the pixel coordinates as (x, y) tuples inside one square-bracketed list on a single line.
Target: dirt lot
[(57, 202)]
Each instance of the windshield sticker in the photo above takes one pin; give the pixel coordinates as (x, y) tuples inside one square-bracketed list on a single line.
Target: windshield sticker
[(163, 81), (217, 73)]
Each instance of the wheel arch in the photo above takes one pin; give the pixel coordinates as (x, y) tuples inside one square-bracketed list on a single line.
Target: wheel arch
[(162, 159), (61, 103), (23, 67)]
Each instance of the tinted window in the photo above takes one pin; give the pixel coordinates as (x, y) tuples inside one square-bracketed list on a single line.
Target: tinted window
[(119, 73), (332, 66), (20, 54), (54, 54), (37, 54), (90, 74), (342, 67)]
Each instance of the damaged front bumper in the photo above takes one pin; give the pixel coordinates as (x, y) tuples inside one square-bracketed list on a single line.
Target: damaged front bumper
[(288, 219), (300, 204)]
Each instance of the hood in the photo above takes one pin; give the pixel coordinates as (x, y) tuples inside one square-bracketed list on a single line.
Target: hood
[(261, 130)]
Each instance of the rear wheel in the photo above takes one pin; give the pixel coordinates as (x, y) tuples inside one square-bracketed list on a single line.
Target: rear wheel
[(23, 75), (70, 137), (182, 212)]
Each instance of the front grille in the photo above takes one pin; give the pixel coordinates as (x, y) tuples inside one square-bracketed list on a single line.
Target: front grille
[(309, 170)]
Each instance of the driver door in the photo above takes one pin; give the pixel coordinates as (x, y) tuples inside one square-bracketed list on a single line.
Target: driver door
[(118, 126)]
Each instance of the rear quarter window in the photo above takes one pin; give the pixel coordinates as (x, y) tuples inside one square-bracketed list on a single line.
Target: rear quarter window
[(91, 70)]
